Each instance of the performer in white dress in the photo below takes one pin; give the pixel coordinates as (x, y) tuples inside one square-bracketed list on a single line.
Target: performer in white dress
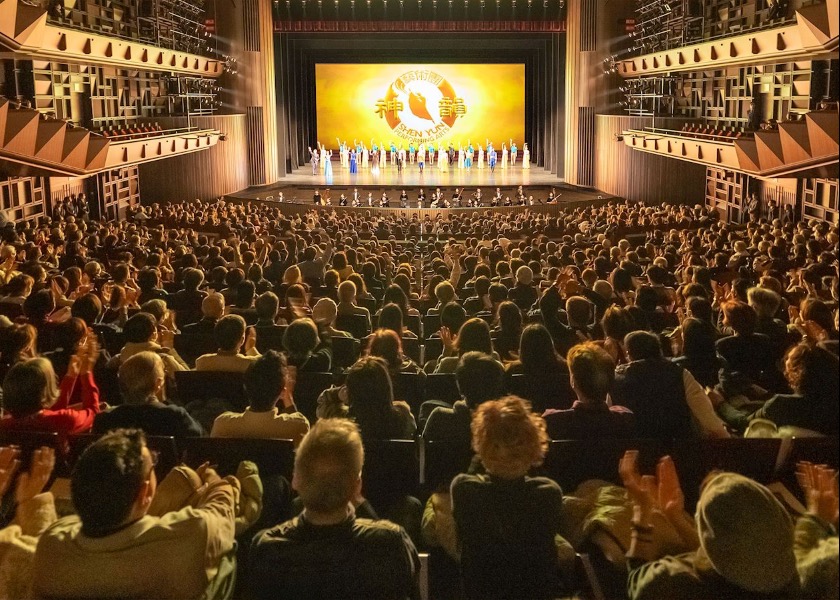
[(365, 157), (480, 157), (442, 159), (460, 156), (323, 158), (504, 156), (526, 156)]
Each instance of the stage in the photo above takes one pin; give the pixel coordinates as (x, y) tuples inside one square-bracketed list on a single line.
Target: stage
[(299, 187)]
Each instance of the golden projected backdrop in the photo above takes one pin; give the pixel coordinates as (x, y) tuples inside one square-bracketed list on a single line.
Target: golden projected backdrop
[(417, 104)]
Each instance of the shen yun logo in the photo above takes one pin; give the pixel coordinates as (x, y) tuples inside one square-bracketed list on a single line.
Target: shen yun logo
[(420, 106)]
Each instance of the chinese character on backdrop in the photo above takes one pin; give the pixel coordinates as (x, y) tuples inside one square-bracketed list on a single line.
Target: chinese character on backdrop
[(388, 106), (445, 105)]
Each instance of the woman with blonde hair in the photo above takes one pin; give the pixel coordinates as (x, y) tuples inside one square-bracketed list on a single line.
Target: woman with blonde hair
[(506, 521)]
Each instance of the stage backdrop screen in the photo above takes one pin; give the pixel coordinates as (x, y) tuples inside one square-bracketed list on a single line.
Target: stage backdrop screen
[(403, 103)]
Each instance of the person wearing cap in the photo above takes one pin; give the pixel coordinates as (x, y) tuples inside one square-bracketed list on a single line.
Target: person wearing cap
[(742, 536)]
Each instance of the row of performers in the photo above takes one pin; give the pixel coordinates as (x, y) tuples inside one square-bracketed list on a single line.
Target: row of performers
[(438, 199), (359, 156)]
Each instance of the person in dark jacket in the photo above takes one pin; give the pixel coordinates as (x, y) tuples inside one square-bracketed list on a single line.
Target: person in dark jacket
[(327, 551), (142, 384), (813, 374)]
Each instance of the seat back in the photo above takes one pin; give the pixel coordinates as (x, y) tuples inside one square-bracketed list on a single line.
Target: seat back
[(391, 471), (270, 338), (442, 461), (442, 386), (414, 324), (272, 456), (307, 389), (542, 393), (431, 325), (432, 348), (571, 462), (345, 351), (190, 347), (410, 388), (755, 458), (355, 325), (411, 348), (204, 385)]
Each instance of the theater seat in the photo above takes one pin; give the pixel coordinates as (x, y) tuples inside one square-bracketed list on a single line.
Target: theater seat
[(206, 385), (345, 351), (355, 325), (442, 461), (391, 471), (307, 389), (272, 456), (442, 386)]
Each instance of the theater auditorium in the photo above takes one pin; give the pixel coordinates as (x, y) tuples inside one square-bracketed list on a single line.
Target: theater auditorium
[(419, 299)]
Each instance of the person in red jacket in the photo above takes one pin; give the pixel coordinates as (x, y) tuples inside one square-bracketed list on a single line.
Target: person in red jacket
[(32, 402)]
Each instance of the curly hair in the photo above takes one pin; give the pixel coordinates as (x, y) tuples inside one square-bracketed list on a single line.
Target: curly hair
[(812, 371), (508, 437)]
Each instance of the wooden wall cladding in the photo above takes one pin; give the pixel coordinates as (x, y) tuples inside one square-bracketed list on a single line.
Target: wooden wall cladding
[(640, 176), (205, 175), (22, 198)]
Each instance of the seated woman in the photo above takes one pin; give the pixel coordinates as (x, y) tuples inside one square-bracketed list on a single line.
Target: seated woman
[(17, 343), (307, 349), (546, 371), (505, 521), (387, 345), (34, 404), (813, 374), (391, 318), (697, 354), (506, 335), (473, 336), (296, 307)]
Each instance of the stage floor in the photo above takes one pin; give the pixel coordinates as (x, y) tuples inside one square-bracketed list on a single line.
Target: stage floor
[(430, 177)]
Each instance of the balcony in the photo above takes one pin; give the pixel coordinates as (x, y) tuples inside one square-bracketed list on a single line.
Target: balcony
[(813, 36), (805, 148), (24, 30), (31, 144)]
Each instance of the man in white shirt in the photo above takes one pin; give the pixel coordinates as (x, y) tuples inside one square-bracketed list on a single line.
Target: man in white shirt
[(267, 381), (231, 334)]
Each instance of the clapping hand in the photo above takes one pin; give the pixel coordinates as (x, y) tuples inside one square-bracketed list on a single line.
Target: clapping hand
[(819, 483), (661, 492), (447, 338), (9, 464)]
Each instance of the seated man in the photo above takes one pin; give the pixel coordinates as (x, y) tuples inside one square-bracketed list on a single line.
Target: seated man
[(266, 382), (113, 548), (141, 335), (269, 333), (198, 338), (231, 334), (592, 373), (480, 378), (327, 552), (143, 392)]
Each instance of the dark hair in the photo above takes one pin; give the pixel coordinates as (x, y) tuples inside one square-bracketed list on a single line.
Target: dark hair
[(812, 372), (192, 278), (229, 331), (510, 317), (698, 338), (740, 316), (140, 328), (642, 345), (391, 317), (480, 378), (700, 308), (370, 397), (453, 316), (245, 291), (386, 344), (536, 351), (69, 334), (301, 337), (267, 305), (38, 306), (616, 323), (265, 379), (814, 309), (593, 370), (395, 295), (475, 335), (107, 479), (87, 308)]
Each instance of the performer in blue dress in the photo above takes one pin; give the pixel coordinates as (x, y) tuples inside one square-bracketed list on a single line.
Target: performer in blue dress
[(512, 153), (328, 167), (468, 159), (491, 158), (353, 164)]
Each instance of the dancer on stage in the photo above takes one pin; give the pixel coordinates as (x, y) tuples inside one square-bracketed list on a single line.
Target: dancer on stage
[(526, 156), (504, 156), (480, 156), (512, 153), (468, 158), (365, 157), (313, 158), (393, 153), (491, 158), (412, 152), (374, 157), (328, 166), (324, 158), (421, 156), (432, 153), (353, 167), (443, 159), (343, 155), (461, 158), (401, 155)]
